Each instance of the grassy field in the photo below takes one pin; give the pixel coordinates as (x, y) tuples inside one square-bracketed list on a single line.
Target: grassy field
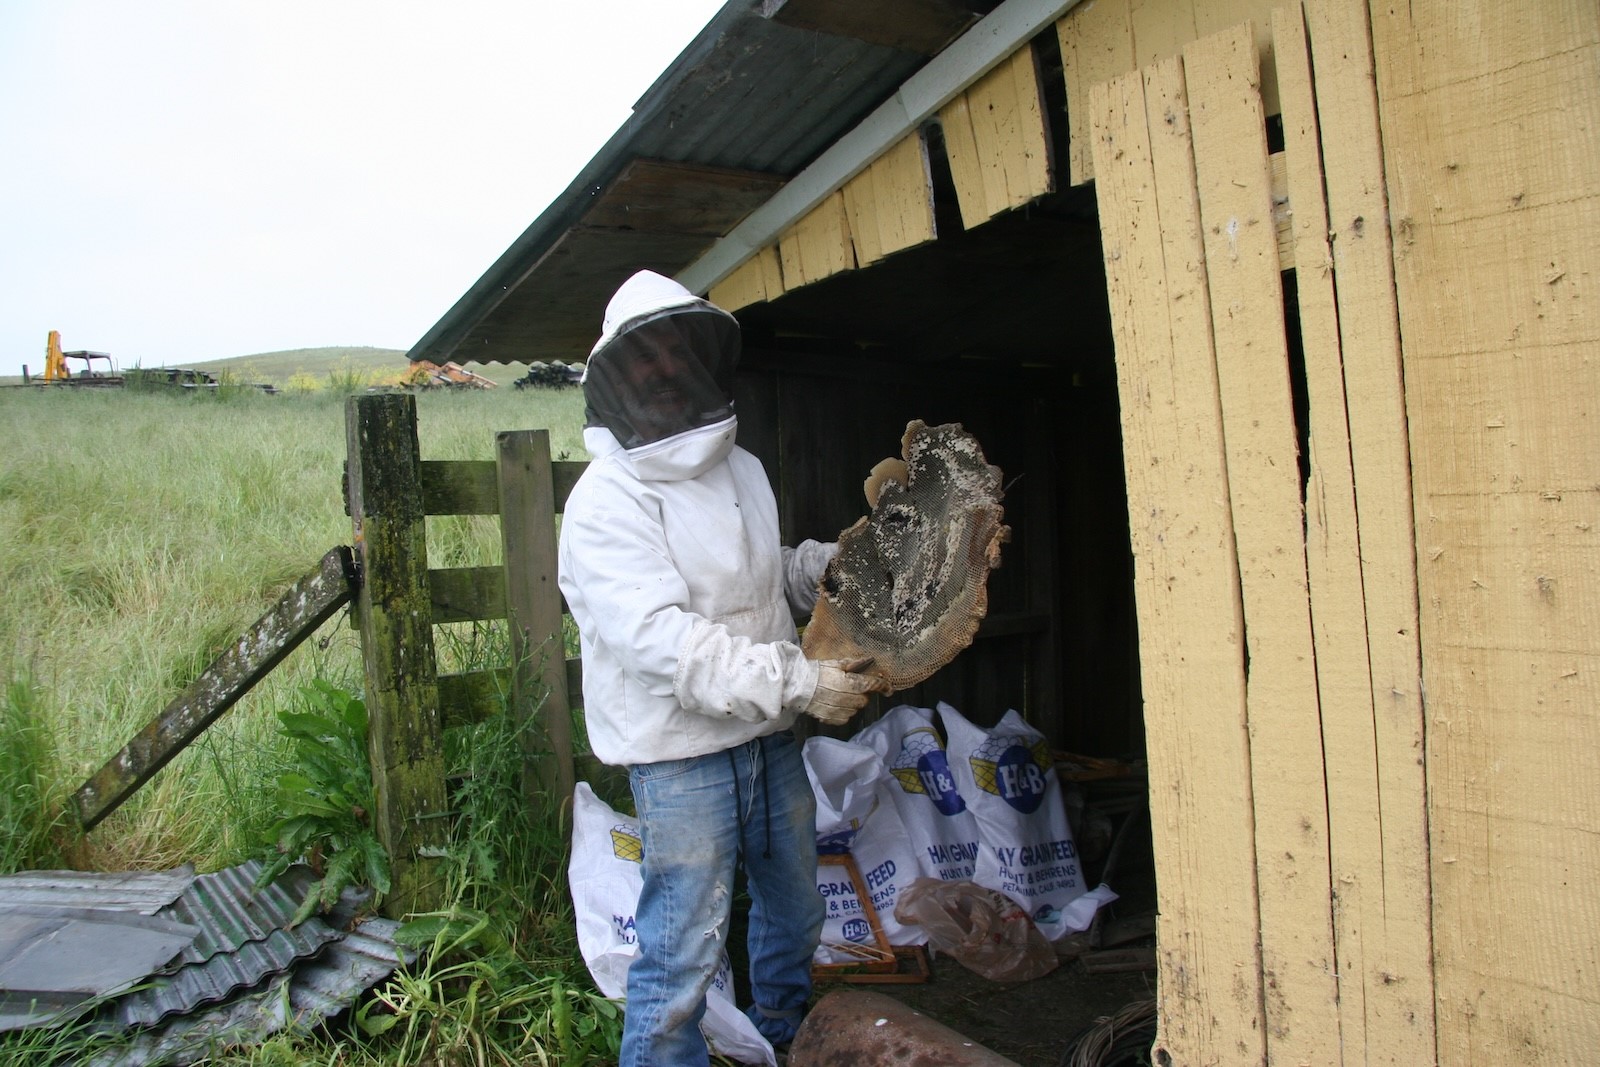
[(141, 531)]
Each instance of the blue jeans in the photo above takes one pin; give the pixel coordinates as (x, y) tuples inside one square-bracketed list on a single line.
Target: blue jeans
[(697, 817)]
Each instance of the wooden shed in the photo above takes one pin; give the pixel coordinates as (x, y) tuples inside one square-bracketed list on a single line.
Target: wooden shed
[(1282, 322)]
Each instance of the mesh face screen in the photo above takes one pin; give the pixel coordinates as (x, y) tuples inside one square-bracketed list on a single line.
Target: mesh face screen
[(910, 583)]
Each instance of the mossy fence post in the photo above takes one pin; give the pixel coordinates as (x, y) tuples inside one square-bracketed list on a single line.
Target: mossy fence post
[(405, 733), (391, 490)]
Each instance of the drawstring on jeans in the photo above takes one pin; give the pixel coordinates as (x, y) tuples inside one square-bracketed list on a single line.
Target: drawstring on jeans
[(766, 796)]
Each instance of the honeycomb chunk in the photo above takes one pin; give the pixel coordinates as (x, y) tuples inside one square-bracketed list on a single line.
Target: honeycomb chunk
[(910, 583)]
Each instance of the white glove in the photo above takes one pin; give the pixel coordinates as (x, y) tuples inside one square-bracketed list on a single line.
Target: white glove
[(842, 690)]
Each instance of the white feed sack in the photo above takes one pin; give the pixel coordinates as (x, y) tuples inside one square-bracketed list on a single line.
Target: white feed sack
[(856, 816), (939, 826), (605, 877), (1009, 780)]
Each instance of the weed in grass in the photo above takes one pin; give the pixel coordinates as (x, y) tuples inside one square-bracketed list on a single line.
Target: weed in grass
[(29, 813), (326, 801)]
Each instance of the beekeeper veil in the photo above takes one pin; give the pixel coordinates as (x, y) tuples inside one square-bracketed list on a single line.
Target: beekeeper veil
[(663, 365)]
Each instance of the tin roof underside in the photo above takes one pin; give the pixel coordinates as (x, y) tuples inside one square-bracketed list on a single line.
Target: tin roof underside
[(748, 104)]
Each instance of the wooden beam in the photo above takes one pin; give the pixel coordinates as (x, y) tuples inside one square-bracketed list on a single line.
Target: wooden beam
[(539, 667), (1186, 582), (921, 26), (467, 594), (1234, 180), (459, 487), (404, 727), (306, 605)]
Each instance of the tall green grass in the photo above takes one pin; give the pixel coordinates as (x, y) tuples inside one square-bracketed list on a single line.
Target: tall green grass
[(140, 533)]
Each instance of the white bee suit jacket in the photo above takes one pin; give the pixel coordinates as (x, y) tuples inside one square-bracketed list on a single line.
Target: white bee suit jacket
[(685, 597)]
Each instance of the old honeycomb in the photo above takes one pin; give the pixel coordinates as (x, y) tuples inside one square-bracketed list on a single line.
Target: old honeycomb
[(910, 583)]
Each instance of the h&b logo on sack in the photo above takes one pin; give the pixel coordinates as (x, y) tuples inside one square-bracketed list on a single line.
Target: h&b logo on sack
[(922, 767), (1008, 767), (856, 930)]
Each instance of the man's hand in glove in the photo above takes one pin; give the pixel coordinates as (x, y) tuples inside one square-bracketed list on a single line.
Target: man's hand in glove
[(842, 690)]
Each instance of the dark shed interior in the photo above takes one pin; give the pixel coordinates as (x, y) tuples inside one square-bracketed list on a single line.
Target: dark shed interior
[(1004, 329)]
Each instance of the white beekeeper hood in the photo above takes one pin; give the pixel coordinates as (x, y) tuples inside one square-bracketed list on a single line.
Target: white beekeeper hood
[(663, 365)]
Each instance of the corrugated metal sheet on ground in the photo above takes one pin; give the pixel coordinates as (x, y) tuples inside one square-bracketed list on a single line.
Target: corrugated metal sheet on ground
[(56, 961), (244, 937), (313, 991), (145, 892)]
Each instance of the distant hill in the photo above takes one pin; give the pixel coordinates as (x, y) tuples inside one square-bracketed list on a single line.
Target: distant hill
[(278, 367)]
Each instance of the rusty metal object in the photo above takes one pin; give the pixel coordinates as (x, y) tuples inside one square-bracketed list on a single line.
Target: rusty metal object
[(860, 1028)]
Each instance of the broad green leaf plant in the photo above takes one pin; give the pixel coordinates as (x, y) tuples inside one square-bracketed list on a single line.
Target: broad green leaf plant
[(325, 801)]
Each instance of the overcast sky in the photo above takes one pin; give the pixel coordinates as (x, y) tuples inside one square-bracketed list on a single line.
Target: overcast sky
[(186, 180)]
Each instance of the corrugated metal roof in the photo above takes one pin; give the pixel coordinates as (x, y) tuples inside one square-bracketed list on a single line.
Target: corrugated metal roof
[(54, 962), (749, 94)]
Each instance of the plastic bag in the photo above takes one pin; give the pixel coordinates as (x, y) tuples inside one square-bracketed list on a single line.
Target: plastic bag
[(939, 827), (1010, 783), (856, 816), (984, 930), (605, 877)]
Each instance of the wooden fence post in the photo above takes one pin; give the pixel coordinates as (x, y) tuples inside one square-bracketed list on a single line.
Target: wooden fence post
[(533, 613), (402, 695)]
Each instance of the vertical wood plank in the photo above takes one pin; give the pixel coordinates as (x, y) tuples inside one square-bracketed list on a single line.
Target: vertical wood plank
[(966, 165), (533, 612), (1291, 820), (1491, 136), (864, 213), (404, 730), (890, 204), (757, 279), (905, 181), (1186, 581), (1096, 39), (818, 246), (997, 141), (1399, 952), (1161, 28), (1333, 565)]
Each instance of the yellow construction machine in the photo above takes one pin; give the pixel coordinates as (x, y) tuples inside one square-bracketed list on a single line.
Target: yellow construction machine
[(55, 362)]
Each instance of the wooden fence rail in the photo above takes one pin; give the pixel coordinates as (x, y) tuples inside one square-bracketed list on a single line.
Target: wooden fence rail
[(390, 490)]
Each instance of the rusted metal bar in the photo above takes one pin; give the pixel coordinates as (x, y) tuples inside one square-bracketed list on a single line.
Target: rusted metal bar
[(859, 1028), (305, 606)]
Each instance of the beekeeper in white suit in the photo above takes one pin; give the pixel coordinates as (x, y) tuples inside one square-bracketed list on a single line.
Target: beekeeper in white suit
[(685, 601)]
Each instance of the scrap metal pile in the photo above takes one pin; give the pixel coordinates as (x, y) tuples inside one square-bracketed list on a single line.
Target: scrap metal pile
[(169, 966)]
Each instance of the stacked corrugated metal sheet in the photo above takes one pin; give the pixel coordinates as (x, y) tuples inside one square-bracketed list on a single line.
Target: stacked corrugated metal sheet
[(178, 963)]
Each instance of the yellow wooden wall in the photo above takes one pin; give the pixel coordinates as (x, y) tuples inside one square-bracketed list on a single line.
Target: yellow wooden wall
[(1491, 122), (1373, 715)]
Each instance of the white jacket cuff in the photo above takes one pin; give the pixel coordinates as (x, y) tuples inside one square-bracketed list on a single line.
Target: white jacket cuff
[(721, 676)]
